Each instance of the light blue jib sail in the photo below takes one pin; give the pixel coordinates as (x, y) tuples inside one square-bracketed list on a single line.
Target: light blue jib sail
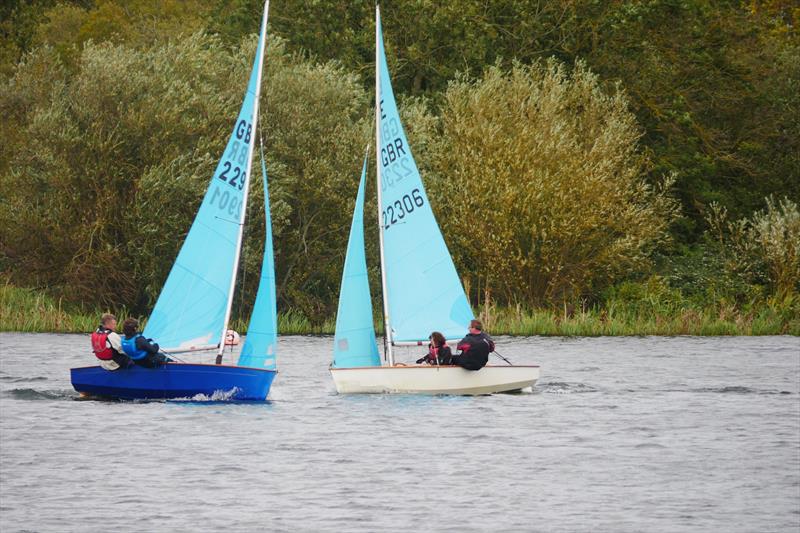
[(260, 346), (191, 310), (423, 290), (354, 342)]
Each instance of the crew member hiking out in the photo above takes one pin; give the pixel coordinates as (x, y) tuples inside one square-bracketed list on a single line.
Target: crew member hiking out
[(475, 348), (107, 345)]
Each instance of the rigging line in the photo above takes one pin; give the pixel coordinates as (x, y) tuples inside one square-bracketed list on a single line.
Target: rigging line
[(243, 264), (171, 357), (383, 312), (373, 128), (503, 358)]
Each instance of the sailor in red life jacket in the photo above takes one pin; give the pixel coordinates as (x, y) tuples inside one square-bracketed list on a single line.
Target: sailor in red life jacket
[(107, 345), (438, 351), (475, 348)]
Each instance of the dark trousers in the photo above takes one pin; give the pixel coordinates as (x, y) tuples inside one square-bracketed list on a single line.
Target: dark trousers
[(121, 359), (151, 360), (470, 361)]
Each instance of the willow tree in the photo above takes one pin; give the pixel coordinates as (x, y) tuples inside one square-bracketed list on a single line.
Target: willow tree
[(540, 184), (104, 168)]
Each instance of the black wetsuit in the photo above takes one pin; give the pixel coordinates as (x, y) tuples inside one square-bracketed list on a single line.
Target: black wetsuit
[(475, 350)]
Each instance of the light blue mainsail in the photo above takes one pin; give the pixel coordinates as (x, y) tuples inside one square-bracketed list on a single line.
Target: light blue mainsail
[(422, 288), (260, 346), (354, 342), (192, 308)]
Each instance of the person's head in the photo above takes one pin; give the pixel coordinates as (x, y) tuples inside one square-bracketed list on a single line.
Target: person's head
[(108, 321), (437, 339), (475, 326), (129, 327)]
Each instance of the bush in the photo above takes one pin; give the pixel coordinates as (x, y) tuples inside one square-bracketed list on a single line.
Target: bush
[(105, 167), (763, 249), (545, 178)]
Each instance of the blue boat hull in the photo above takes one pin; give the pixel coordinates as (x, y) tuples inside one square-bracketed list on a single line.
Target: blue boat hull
[(175, 380)]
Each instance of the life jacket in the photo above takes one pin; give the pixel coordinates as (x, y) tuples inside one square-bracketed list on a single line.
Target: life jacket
[(130, 349), (438, 354), (100, 345)]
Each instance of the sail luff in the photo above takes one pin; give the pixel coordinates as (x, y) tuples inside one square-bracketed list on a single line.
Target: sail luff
[(378, 48), (354, 340), (260, 346), (249, 167)]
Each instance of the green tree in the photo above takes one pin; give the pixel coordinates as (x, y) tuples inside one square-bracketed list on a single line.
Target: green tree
[(539, 182), (112, 163)]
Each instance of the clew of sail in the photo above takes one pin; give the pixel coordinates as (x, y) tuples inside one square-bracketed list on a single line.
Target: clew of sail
[(422, 290), (260, 346), (354, 342), (192, 309)]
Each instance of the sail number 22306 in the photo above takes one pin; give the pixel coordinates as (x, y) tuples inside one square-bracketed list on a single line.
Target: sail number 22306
[(402, 207)]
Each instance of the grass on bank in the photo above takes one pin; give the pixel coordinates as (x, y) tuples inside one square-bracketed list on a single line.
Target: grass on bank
[(28, 310), (32, 311)]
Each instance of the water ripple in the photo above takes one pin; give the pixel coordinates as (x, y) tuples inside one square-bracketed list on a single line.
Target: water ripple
[(672, 437), (559, 387), (37, 395)]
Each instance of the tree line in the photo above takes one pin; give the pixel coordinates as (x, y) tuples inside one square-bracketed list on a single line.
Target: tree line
[(567, 147)]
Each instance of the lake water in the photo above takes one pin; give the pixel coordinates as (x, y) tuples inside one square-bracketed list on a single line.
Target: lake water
[(620, 434)]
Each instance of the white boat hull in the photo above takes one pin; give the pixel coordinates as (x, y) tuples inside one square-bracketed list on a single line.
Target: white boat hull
[(433, 379)]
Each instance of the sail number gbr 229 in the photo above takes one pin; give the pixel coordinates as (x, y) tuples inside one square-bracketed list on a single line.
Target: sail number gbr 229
[(233, 170), (401, 208)]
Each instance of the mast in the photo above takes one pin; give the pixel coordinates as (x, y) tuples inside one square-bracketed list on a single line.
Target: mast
[(260, 54), (386, 322)]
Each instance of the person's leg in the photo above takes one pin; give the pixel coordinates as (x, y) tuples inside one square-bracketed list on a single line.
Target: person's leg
[(147, 361), (468, 362), (122, 360)]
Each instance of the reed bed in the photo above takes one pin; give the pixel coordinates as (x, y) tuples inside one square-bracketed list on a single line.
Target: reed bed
[(612, 321), (28, 310)]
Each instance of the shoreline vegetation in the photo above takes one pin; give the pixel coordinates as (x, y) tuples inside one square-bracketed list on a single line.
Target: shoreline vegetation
[(583, 185), (30, 311)]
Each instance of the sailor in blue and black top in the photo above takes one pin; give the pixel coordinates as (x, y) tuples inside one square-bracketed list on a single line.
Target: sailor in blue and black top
[(144, 352)]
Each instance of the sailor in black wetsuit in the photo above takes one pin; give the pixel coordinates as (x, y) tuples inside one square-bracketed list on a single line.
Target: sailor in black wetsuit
[(475, 348)]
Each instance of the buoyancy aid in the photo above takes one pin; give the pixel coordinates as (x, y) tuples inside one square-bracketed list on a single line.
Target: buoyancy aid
[(130, 349), (100, 345)]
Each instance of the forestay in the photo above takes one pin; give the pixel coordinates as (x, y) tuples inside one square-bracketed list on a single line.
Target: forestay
[(422, 289), (354, 342), (260, 345), (192, 308)]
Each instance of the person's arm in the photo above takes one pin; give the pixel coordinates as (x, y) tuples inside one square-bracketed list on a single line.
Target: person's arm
[(491, 343), (425, 357), (464, 345), (146, 345), (115, 341)]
